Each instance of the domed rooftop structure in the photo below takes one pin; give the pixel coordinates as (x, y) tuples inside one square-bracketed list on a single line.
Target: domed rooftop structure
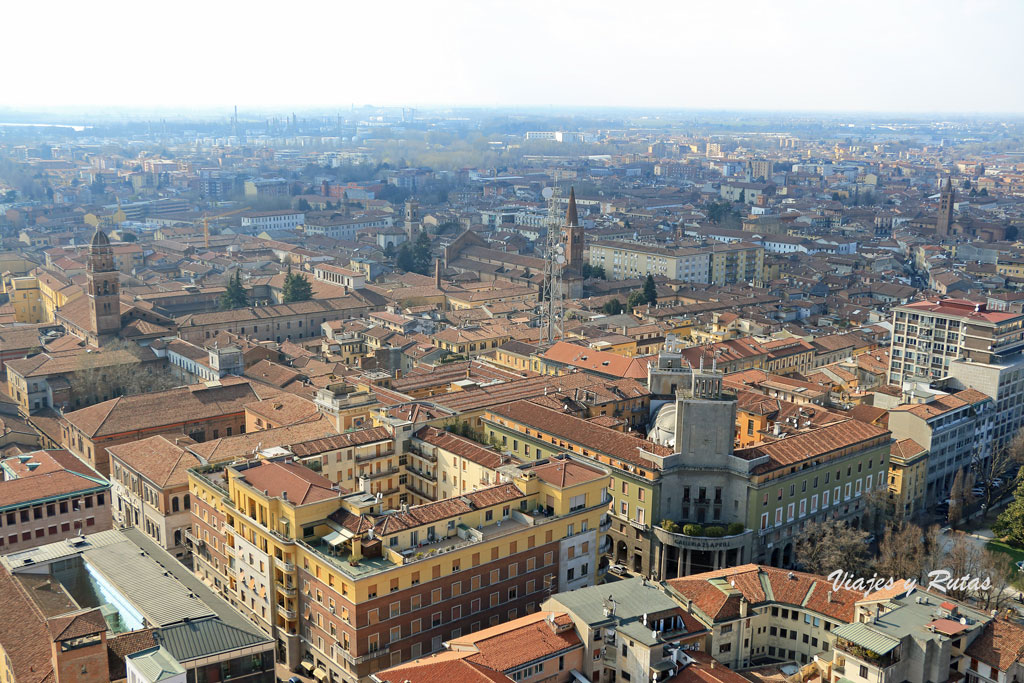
[(99, 239), (663, 427)]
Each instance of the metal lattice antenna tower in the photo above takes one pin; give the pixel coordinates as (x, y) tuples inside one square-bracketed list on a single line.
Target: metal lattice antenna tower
[(551, 297)]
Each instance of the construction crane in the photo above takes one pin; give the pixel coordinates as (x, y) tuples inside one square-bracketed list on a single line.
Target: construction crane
[(206, 224)]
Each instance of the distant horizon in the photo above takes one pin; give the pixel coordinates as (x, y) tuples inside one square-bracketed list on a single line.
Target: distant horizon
[(42, 115), (919, 57)]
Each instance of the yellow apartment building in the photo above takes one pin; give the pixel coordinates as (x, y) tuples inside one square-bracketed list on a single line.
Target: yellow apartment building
[(348, 587), (908, 474)]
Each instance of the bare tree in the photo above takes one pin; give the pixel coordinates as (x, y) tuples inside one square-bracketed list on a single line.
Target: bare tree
[(931, 549), (903, 551), (1000, 570), (957, 499), (824, 547), (876, 503), (963, 559)]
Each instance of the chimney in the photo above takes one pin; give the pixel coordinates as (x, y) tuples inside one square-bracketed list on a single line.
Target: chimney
[(437, 273)]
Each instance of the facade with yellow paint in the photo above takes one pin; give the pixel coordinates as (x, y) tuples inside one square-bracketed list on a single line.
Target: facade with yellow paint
[(908, 475), (24, 295), (347, 587), (56, 292)]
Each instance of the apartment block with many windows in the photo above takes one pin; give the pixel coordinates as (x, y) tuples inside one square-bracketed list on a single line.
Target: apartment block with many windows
[(929, 335), (347, 587)]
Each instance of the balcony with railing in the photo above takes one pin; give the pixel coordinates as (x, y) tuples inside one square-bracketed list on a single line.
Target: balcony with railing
[(380, 473), (423, 474), (366, 457)]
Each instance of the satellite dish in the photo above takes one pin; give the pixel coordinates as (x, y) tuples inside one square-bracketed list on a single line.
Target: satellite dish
[(547, 193), (559, 259), (559, 249)]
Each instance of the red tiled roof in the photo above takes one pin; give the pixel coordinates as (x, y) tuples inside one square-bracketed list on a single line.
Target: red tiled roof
[(301, 484), (602, 362), (163, 462), (460, 446), (961, 308), (587, 435), (1000, 644), (748, 581), (23, 633), (800, 447), (518, 642), (446, 667)]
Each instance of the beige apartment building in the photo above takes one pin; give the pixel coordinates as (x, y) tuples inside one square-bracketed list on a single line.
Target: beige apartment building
[(929, 335), (625, 260)]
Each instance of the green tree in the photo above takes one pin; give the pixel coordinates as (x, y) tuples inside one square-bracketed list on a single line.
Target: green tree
[(650, 290), (234, 296), (613, 307), (421, 254), (389, 252), (637, 298), (296, 287), (1010, 523), (405, 259), (302, 205), (596, 272)]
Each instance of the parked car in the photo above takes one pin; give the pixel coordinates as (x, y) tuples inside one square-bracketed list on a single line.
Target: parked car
[(618, 569), (977, 492), (1020, 566)]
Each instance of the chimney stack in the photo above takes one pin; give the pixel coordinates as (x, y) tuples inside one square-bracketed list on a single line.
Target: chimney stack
[(437, 273)]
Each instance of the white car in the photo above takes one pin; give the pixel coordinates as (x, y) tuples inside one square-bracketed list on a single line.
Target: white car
[(619, 569)]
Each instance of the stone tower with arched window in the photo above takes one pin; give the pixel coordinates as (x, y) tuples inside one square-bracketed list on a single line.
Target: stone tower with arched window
[(103, 283)]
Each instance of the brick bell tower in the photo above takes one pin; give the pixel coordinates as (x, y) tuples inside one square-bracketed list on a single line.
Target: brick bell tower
[(572, 233), (944, 223), (103, 283)]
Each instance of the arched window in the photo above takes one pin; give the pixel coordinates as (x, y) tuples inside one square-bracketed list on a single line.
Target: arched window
[(177, 535), (174, 504), (188, 502)]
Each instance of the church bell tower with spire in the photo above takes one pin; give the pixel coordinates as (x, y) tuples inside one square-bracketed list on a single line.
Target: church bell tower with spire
[(572, 233)]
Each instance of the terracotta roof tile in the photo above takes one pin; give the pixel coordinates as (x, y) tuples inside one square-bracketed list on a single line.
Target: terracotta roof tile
[(301, 484), (144, 411), (163, 462), (1000, 644), (587, 435), (23, 633)]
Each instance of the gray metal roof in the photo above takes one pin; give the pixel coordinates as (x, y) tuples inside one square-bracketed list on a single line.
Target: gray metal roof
[(204, 638), (861, 634), (632, 598), (151, 589), (60, 549), (227, 614), (156, 664)]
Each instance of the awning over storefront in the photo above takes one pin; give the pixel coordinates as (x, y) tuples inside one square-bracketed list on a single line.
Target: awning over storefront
[(336, 538), (320, 674), (307, 665)]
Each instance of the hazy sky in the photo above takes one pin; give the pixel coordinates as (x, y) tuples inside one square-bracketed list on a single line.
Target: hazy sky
[(892, 55)]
